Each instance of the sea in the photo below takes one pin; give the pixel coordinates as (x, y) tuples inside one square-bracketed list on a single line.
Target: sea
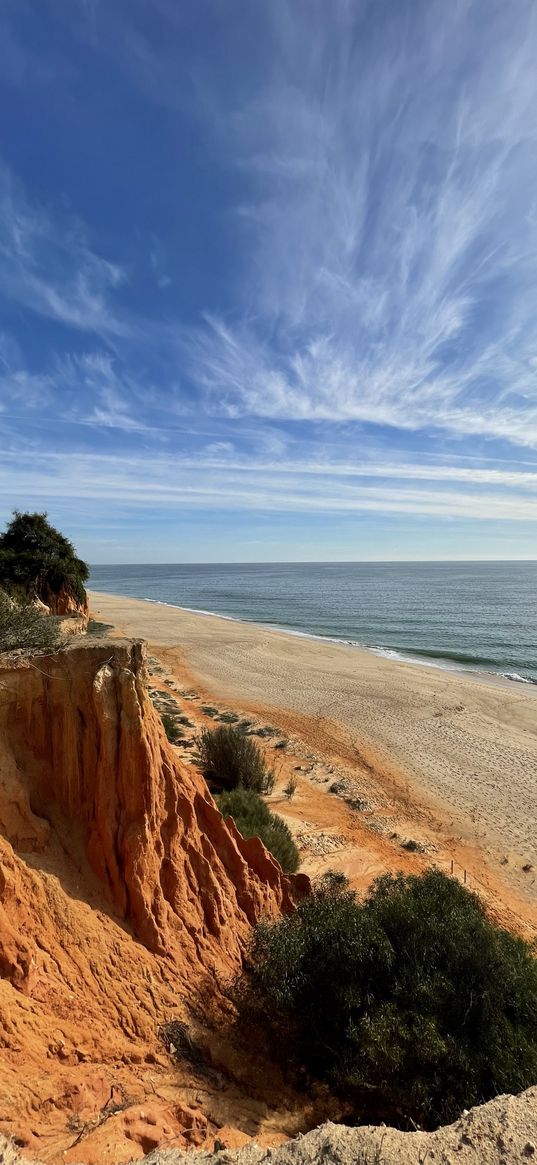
[(480, 616)]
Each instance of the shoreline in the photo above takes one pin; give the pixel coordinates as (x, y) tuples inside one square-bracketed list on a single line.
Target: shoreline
[(479, 675), (438, 757)]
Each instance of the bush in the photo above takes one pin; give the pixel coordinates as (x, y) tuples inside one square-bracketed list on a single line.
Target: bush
[(24, 627), (171, 727), (36, 561), (229, 759), (253, 819), (412, 1004)]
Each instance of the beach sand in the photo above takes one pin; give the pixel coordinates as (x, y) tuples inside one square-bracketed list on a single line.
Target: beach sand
[(430, 757)]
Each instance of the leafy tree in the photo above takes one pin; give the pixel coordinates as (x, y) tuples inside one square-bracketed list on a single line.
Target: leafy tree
[(36, 561), (413, 1004), (229, 759), (24, 627), (254, 819)]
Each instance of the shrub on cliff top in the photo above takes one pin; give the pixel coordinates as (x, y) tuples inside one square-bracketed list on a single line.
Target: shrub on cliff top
[(254, 819), (229, 759), (412, 1004), (24, 627), (36, 561)]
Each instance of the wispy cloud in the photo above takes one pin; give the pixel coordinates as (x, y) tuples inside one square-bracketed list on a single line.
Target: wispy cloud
[(48, 265), (322, 289), (390, 238), (206, 481)]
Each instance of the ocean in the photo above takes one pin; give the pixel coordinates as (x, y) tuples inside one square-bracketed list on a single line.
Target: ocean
[(476, 615)]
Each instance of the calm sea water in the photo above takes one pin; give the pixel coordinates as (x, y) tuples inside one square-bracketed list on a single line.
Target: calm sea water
[(479, 615)]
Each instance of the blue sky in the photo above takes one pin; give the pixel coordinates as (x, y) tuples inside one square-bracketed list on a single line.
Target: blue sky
[(268, 277)]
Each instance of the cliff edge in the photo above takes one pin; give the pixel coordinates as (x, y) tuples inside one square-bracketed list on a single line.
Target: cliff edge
[(121, 891)]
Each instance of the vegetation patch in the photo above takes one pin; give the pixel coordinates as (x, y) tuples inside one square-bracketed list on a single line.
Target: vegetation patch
[(23, 627), (254, 819), (290, 788), (265, 732), (37, 562), (229, 759), (412, 1004), (172, 728), (180, 1043)]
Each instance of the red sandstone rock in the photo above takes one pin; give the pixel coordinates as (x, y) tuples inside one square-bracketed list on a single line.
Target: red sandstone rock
[(121, 890), (64, 603)]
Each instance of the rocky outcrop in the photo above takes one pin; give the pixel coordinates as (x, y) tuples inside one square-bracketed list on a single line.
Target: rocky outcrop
[(121, 888)]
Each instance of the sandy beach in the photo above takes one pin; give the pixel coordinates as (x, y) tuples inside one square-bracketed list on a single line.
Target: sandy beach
[(442, 760)]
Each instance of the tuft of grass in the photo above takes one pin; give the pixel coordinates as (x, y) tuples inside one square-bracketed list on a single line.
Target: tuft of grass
[(414, 847), (229, 759), (265, 732), (291, 788)]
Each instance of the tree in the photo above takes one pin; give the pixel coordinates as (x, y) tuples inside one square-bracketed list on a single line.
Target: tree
[(37, 562), (413, 1004)]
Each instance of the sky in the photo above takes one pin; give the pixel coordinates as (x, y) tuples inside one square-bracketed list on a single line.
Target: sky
[(268, 277)]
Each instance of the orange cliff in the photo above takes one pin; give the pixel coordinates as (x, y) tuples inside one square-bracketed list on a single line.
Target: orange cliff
[(121, 891), (64, 602)]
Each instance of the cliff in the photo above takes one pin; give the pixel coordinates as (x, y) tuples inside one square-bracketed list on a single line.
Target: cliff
[(64, 602), (121, 891)]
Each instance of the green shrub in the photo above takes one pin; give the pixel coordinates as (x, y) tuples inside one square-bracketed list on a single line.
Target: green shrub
[(229, 759), (253, 819), (26, 628), (412, 1004), (36, 561), (173, 730)]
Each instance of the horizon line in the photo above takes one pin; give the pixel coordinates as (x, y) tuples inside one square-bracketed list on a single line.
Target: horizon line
[(316, 562)]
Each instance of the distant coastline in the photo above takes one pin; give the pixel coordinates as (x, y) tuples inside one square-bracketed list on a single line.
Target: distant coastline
[(476, 619)]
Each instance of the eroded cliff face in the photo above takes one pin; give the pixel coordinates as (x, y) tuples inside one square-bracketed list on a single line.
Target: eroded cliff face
[(63, 602), (121, 890)]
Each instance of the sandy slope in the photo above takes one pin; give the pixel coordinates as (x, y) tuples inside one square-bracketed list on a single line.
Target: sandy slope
[(453, 756), (501, 1132)]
